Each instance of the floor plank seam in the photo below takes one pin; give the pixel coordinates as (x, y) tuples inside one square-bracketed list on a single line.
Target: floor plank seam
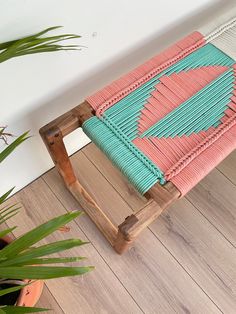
[(154, 235), (96, 249), (226, 177), (45, 283), (186, 270), (122, 190), (109, 181), (195, 206)]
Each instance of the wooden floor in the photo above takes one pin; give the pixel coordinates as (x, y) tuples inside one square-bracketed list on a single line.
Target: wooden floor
[(184, 263)]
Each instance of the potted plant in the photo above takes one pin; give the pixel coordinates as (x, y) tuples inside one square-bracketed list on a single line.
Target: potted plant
[(19, 258), (28, 296)]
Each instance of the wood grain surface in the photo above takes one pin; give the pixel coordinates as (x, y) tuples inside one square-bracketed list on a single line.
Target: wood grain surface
[(185, 262)]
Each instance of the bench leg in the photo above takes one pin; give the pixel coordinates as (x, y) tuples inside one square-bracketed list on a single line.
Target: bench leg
[(162, 197), (121, 237), (55, 145), (133, 225)]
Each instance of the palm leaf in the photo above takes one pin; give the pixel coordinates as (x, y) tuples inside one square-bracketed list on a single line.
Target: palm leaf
[(37, 234), (5, 196), (43, 250), (12, 289), (21, 309), (35, 44), (9, 212), (45, 261), (27, 38), (10, 148), (3, 233), (42, 272)]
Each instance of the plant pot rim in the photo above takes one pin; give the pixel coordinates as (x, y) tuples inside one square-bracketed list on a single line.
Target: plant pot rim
[(30, 294)]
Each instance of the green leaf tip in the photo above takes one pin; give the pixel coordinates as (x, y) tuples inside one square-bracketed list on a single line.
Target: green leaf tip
[(36, 44)]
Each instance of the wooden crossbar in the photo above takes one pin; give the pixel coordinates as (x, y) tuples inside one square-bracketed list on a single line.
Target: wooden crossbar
[(120, 237)]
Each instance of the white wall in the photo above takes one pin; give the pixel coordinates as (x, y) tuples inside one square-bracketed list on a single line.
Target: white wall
[(118, 34)]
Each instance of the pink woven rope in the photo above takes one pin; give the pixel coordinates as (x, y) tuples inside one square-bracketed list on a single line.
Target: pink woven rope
[(173, 90), (211, 139), (120, 88), (205, 148), (184, 160), (206, 161)]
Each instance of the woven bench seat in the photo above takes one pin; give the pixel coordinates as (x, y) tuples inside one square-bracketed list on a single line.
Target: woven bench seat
[(171, 119), (165, 125)]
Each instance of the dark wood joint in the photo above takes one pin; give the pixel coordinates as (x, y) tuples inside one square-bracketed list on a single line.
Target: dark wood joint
[(83, 112), (126, 226), (163, 195)]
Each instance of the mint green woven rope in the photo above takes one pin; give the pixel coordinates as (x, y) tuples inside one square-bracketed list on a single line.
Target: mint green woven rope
[(199, 112), (139, 170), (125, 113), (114, 132)]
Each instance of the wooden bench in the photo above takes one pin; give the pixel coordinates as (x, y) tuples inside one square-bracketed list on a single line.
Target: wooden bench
[(193, 83)]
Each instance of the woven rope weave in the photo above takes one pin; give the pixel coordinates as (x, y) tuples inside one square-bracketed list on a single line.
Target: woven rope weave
[(159, 122)]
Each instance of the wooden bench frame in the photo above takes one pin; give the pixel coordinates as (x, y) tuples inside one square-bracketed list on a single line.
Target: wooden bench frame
[(120, 237)]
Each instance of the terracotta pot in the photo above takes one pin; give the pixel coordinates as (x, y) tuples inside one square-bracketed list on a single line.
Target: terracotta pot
[(29, 295)]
